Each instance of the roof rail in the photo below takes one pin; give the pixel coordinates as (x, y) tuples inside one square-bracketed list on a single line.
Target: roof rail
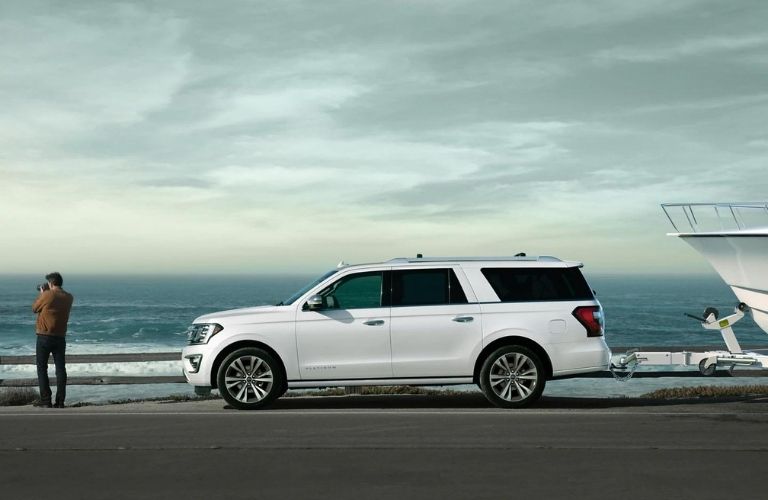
[(405, 260)]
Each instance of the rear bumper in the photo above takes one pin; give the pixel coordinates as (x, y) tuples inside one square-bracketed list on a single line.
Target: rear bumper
[(586, 356)]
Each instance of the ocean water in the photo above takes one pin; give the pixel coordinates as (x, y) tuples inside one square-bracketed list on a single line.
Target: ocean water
[(114, 314), (133, 313)]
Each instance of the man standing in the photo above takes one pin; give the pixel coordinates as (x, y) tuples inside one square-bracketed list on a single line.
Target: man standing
[(52, 308)]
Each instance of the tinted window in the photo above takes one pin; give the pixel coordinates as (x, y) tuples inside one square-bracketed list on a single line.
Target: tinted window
[(530, 284), (293, 298), (456, 292), (425, 287), (357, 291)]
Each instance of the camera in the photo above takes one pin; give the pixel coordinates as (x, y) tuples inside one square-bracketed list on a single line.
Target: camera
[(43, 287)]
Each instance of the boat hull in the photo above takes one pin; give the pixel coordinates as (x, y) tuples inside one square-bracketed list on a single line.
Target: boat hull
[(741, 259)]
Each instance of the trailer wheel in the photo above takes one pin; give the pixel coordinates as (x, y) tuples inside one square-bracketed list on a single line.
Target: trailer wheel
[(707, 371), (711, 310)]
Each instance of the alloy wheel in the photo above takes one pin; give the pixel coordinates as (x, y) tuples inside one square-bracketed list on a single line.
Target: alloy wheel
[(248, 379)]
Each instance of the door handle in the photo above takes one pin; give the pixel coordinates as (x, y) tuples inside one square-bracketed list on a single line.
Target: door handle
[(374, 322), (463, 319)]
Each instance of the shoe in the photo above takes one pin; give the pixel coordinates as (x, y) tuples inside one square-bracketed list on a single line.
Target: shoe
[(59, 405), (42, 404)]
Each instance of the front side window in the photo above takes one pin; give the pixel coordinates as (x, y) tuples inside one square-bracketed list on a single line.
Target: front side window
[(538, 284), (293, 298), (357, 291), (426, 287)]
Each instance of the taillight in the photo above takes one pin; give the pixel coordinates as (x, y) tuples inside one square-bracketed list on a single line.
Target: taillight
[(592, 319)]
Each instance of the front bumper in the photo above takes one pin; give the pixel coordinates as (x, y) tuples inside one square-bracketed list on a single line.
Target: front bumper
[(196, 365)]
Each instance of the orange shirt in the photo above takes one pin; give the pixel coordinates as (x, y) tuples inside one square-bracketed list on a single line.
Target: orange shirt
[(52, 308)]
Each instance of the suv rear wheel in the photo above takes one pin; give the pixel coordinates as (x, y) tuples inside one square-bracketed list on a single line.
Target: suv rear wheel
[(512, 377), (250, 378)]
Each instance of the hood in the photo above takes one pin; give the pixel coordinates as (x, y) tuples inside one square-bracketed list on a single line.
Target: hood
[(244, 315)]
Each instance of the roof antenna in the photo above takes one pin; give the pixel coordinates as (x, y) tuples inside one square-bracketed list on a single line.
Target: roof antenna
[(342, 264), (419, 256), (521, 254)]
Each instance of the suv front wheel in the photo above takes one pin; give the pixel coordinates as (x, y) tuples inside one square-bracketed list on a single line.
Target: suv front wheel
[(512, 377), (250, 378)]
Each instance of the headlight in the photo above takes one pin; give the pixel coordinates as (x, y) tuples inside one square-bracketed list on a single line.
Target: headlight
[(201, 333)]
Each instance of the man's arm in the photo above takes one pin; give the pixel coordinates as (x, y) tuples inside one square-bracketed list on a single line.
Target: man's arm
[(42, 300)]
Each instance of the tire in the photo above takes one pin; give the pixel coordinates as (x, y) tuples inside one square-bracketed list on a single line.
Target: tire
[(707, 371), (250, 379), (512, 377)]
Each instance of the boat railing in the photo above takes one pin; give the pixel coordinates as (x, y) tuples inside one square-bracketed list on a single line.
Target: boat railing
[(712, 217)]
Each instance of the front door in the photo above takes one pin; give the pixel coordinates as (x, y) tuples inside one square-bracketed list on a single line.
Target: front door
[(349, 337)]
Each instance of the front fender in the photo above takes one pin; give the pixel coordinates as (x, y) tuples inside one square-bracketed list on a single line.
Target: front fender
[(279, 340)]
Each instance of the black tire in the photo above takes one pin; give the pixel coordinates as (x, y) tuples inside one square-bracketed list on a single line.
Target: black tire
[(512, 386), (707, 371), (250, 379)]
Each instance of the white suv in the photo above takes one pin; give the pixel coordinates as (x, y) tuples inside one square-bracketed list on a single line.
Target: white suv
[(507, 324)]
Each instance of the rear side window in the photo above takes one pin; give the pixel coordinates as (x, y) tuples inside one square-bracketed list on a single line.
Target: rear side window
[(542, 284), (426, 287)]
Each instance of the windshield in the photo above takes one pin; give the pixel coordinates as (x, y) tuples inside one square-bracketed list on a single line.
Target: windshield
[(293, 298)]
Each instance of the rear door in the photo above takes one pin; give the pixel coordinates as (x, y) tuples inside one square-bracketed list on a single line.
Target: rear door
[(434, 328)]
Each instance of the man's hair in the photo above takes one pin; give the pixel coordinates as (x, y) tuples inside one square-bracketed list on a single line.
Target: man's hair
[(54, 278)]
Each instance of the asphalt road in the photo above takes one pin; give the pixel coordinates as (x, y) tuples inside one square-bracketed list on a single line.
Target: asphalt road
[(388, 447)]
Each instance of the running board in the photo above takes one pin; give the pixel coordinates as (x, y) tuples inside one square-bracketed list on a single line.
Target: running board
[(305, 384)]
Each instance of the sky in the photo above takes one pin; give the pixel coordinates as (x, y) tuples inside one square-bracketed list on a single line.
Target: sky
[(284, 136)]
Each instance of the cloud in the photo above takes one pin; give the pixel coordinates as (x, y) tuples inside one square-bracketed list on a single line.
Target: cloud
[(513, 160), (295, 105), (687, 48), (582, 13), (267, 178), (178, 182), (68, 73), (291, 130), (592, 164), (702, 105)]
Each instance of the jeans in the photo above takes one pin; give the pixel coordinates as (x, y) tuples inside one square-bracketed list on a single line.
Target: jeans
[(47, 345)]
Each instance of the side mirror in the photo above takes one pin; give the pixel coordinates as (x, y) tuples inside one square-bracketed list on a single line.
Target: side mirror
[(315, 303)]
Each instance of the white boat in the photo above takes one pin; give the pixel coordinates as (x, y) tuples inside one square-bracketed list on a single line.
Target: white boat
[(733, 237)]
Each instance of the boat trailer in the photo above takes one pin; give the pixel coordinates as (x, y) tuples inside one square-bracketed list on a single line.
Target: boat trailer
[(707, 362)]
